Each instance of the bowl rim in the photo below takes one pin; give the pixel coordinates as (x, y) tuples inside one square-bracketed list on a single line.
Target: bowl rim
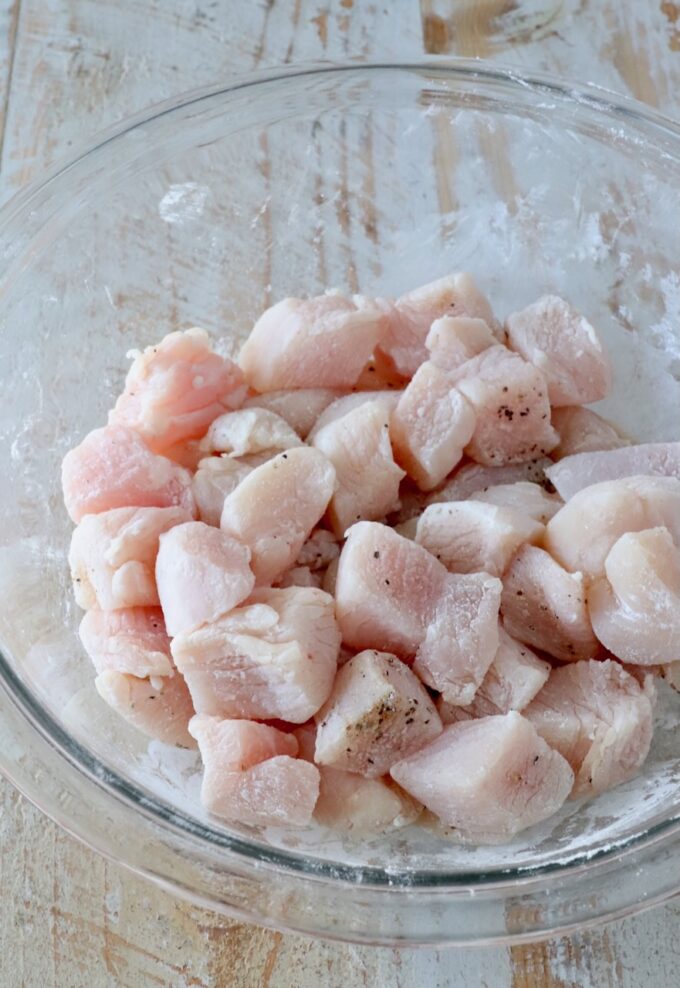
[(594, 98)]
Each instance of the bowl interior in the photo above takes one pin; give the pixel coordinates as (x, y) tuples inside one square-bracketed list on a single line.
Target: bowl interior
[(364, 180)]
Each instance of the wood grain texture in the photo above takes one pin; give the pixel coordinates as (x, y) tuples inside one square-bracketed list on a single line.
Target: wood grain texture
[(69, 68)]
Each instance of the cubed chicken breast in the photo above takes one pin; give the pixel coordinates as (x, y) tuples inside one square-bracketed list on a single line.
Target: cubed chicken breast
[(564, 346), (251, 775), (598, 717), (635, 607), (275, 508), (299, 408), (275, 657), (469, 536), (113, 468), (113, 556), (378, 712), (201, 574), (131, 640), (247, 431), (431, 426), (348, 403), (470, 479), (454, 339), (159, 707), (582, 533), (175, 389), (510, 400), (367, 478), (581, 430), (574, 473), (531, 500), (514, 678), (216, 477), (543, 605), (311, 343), (487, 779), (412, 316)]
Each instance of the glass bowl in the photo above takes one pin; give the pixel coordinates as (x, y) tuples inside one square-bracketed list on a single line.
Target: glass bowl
[(366, 178)]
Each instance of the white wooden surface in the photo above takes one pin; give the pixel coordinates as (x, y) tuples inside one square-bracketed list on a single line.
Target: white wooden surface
[(70, 67)]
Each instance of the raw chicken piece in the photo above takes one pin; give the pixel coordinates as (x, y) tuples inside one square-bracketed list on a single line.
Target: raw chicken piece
[(454, 339), (113, 556), (201, 574), (348, 403), (114, 468), (274, 509), (392, 593), (583, 431), (159, 707), (582, 533), (574, 473), (320, 549), (598, 718), (300, 576), (469, 536), (530, 499), (472, 478), (250, 775), (635, 608), (275, 657), (300, 409), (247, 431), (430, 426), (510, 780), (358, 446), (510, 399), (377, 713), (545, 606), (175, 389), (216, 477), (560, 342), (311, 343), (514, 678), (131, 640), (412, 315)]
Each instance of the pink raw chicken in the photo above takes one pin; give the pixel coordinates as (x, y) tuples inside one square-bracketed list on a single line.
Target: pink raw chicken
[(358, 445), (249, 430), (131, 640), (114, 468), (574, 473), (583, 431), (159, 707), (472, 478), (251, 775), (454, 339), (564, 346), (510, 399), (598, 718), (310, 343), (582, 533), (216, 477), (354, 804), (113, 556), (412, 315), (176, 388), (300, 409), (635, 608), (275, 508), (348, 403), (275, 657), (450, 624), (377, 713), (511, 779), (531, 500), (469, 536), (201, 574), (514, 678), (431, 426), (545, 606)]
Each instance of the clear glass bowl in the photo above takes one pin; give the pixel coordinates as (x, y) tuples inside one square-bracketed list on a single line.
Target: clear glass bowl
[(370, 178)]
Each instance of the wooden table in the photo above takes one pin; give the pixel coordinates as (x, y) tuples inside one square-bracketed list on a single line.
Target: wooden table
[(70, 67)]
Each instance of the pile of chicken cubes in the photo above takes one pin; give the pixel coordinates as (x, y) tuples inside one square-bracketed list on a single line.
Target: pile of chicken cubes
[(387, 562)]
